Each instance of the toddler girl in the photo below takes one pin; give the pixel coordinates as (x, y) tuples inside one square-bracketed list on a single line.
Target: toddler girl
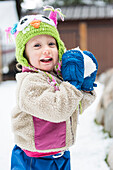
[(44, 120)]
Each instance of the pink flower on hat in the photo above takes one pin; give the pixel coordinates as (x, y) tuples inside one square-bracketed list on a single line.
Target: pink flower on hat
[(53, 13)]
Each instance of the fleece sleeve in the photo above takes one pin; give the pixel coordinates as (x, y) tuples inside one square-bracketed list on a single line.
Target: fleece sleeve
[(88, 99), (38, 98)]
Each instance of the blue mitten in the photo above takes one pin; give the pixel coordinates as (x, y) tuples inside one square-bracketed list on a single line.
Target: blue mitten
[(73, 67), (88, 83)]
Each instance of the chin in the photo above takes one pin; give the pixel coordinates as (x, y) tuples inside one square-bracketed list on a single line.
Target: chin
[(48, 69)]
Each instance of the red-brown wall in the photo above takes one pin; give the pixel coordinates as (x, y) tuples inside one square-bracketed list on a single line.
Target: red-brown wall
[(99, 39)]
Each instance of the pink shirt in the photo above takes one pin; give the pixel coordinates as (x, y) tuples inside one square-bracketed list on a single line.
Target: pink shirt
[(37, 154)]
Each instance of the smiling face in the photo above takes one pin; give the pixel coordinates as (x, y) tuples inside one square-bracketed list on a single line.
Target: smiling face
[(42, 52)]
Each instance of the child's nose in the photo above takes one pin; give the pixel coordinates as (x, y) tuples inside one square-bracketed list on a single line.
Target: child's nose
[(46, 51)]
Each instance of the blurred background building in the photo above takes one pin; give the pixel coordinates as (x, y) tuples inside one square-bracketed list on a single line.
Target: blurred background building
[(8, 17)]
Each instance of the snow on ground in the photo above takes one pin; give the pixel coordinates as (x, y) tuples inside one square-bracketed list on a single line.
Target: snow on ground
[(91, 145), (7, 101)]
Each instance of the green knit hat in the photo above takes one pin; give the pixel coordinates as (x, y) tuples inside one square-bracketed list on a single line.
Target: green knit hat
[(33, 25)]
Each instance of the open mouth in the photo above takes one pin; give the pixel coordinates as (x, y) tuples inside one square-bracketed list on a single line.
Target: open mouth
[(46, 60)]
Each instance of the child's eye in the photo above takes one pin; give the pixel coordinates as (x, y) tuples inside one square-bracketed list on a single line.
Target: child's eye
[(37, 45), (52, 44)]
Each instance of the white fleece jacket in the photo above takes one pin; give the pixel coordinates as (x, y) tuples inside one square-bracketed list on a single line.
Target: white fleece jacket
[(36, 98)]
